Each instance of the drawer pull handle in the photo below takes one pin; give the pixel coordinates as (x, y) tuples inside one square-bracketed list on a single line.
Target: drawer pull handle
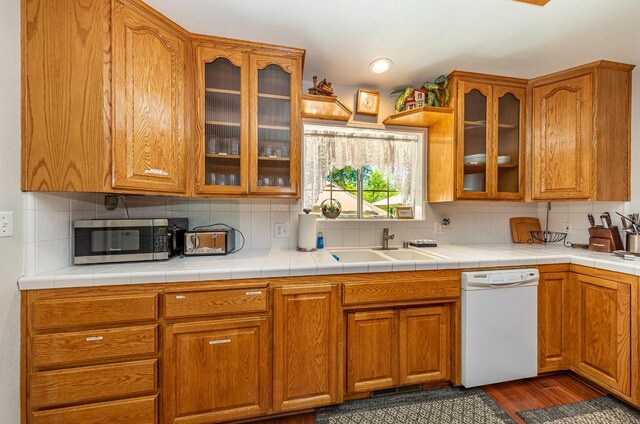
[(181, 297), (215, 342), (95, 339), (253, 293), (153, 171)]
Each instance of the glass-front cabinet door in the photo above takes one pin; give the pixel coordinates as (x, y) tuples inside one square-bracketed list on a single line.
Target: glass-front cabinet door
[(222, 134), (275, 129), (474, 140), (508, 170)]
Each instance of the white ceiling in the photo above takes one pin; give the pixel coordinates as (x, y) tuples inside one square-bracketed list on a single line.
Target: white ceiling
[(424, 38)]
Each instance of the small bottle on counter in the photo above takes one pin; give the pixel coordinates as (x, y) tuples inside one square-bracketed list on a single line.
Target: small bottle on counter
[(320, 241)]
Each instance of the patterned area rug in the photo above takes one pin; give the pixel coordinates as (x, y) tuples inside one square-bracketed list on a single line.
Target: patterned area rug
[(438, 406), (604, 410)]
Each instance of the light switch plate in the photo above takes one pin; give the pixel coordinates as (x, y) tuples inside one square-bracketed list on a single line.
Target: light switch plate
[(281, 230), (6, 224)]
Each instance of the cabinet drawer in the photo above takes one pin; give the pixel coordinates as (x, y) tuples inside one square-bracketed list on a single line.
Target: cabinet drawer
[(400, 291), (63, 348), (94, 310), (215, 302), (89, 384), (139, 411)]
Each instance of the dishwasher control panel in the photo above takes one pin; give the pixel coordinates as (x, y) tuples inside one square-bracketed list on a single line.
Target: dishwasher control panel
[(500, 277)]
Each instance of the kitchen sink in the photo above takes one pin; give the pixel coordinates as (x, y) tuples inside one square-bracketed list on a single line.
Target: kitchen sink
[(370, 255), (365, 255), (410, 255)]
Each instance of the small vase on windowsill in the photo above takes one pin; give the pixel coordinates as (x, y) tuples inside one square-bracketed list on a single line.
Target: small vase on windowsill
[(331, 208)]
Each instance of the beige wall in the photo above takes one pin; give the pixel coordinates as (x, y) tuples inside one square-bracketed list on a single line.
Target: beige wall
[(10, 200)]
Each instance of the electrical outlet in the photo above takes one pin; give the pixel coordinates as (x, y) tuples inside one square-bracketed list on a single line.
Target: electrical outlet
[(567, 228), (281, 230), (6, 224), (437, 228)]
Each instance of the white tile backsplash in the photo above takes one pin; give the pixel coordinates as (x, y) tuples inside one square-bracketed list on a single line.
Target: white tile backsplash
[(49, 216)]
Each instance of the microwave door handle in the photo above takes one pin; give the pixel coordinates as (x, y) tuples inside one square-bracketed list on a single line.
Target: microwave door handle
[(174, 237)]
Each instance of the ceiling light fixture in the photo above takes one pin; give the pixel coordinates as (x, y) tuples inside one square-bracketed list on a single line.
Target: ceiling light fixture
[(381, 65)]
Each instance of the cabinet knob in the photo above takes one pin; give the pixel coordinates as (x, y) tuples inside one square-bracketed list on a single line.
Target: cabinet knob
[(216, 342), (94, 339)]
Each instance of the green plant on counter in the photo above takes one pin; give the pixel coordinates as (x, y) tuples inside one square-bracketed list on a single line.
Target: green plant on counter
[(437, 93)]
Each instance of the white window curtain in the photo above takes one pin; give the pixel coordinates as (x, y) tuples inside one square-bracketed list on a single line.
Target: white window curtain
[(394, 153)]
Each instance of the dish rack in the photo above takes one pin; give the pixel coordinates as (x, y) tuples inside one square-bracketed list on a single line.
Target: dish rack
[(547, 236)]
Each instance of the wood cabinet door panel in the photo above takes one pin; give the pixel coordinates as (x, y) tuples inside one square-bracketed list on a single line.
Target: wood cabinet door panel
[(553, 322), (277, 175), (602, 331), (217, 370), (66, 95), (562, 139), (93, 345), (139, 410), (215, 302), (94, 310), (305, 347), (372, 351), (355, 293), (94, 383), (474, 134), (509, 115), (149, 149), (424, 345)]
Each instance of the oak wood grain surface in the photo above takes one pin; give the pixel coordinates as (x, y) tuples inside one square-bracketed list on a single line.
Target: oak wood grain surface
[(138, 410), (218, 302), (94, 310), (93, 383), (305, 341), (91, 345)]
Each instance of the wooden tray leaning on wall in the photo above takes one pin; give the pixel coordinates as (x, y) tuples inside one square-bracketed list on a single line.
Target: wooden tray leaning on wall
[(521, 228)]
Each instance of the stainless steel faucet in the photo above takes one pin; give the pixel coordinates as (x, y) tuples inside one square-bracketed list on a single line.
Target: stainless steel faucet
[(385, 240)]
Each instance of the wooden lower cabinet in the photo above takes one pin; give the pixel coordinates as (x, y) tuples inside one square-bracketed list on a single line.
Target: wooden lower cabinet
[(553, 322), (398, 347), (372, 339), (601, 331), (424, 344), (305, 347), (140, 411), (216, 370)]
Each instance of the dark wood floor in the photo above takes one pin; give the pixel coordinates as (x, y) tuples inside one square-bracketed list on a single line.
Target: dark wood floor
[(540, 392), (513, 396)]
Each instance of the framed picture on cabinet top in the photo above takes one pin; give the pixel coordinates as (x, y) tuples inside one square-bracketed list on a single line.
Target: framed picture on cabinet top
[(368, 102)]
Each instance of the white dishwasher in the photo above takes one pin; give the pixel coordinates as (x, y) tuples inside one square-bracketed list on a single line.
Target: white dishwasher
[(499, 326)]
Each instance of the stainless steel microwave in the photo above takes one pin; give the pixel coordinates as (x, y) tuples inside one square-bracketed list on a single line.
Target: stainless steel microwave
[(127, 240)]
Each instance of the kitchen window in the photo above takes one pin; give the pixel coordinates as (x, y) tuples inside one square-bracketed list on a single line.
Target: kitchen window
[(369, 172)]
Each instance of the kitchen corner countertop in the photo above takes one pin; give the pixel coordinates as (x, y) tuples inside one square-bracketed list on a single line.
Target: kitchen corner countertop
[(290, 263)]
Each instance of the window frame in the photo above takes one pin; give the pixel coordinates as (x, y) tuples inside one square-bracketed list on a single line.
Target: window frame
[(419, 191)]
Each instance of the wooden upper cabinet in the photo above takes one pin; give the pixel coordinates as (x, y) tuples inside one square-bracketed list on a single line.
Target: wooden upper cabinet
[(553, 322), (276, 127), (149, 142), (216, 370), (222, 125), (601, 331), (305, 347), (474, 134), (580, 146), (66, 95), (490, 134), (562, 135)]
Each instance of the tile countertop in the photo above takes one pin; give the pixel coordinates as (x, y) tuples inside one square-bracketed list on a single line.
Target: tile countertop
[(285, 263)]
